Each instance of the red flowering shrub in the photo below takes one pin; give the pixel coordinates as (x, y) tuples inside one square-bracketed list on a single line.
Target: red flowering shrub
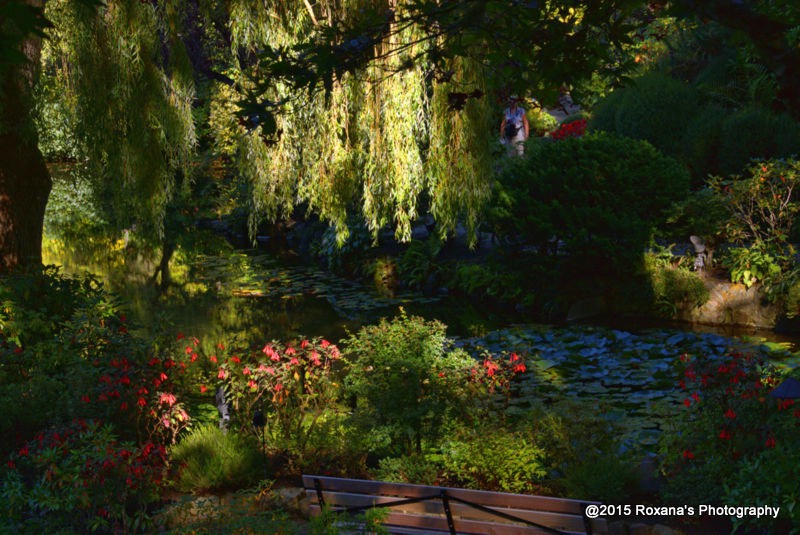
[(728, 419), (79, 478), (571, 129), (138, 395), (291, 383)]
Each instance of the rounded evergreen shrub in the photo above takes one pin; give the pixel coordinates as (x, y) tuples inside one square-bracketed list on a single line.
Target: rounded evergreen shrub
[(756, 133), (701, 143), (655, 108), (601, 194)]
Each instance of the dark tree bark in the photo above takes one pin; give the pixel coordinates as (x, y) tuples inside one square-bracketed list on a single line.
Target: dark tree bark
[(24, 179)]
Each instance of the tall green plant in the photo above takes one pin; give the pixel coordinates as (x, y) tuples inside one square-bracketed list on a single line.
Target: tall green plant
[(601, 194)]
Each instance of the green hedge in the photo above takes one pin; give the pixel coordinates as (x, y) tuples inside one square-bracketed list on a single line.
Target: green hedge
[(601, 194)]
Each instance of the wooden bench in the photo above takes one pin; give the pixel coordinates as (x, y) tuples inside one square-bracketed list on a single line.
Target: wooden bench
[(416, 509)]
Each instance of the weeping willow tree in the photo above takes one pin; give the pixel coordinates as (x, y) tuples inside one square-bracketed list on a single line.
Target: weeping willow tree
[(378, 143), (384, 138), (132, 87), (127, 78)]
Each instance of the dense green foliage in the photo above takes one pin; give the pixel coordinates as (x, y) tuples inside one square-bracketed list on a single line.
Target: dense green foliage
[(407, 381), (762, 207), (601, 194), (655, 108)]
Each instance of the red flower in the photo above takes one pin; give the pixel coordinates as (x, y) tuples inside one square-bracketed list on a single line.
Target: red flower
[(725, 434), (188, 349), (213, 358), (246, 371), (304, 344), (687, 402), (235, 359), (519, 368), (730, 414), (180, 336), (770, 443), (203, 389), (141, 402), (687, 454)]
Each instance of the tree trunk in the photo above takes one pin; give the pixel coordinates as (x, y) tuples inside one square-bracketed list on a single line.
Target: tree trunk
[(24, 179)]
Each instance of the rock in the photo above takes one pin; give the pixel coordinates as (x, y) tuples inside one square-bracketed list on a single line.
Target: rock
[(587, 308), (293, 500), (733, 304), (420, 232)]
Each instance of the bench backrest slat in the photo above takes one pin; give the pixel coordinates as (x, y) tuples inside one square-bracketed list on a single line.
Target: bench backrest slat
[(407, 490), (559, 521), (562, 514)]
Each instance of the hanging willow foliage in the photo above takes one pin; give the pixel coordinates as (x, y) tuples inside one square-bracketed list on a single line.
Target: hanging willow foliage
[(376, 145), (133, 88)]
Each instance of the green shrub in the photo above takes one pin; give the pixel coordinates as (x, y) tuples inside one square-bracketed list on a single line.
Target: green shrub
[(700, 149), (654, 108), (211, 459), (674, 287), (763, 208), (541, 122), (487, 281), (702, 213), (585, 453), (493, 458), (601, 194), (767, 479), (608, 478), (407, 381), (417, 265), (756, 133), (418, 469)]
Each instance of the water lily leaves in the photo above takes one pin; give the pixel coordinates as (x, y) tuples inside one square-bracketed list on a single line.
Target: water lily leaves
[(243, 274), (633, 372)]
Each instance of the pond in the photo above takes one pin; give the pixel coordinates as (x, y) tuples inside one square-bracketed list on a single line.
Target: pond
[(623, 372)]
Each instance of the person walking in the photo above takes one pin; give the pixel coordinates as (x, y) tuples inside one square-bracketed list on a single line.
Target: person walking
[(514, 129)]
